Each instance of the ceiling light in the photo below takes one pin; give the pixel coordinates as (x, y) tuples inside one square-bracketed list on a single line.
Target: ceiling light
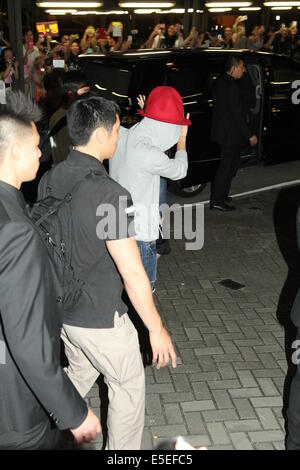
[(146, 4), (219, 10), (69, 4), (227, 4), (147, 11), (60, 12), (281, 8), (282, 4), (250, 9), (88, 12)]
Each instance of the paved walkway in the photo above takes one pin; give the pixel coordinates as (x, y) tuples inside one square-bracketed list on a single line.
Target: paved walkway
[(229, 389)]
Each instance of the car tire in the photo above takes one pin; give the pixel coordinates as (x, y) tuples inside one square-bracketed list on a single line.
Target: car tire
[(188, 191)]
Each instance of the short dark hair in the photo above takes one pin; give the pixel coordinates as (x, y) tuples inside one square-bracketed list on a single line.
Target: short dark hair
[(232, 61), (21, 108), (73, 81), (88, 114), (16, 117)]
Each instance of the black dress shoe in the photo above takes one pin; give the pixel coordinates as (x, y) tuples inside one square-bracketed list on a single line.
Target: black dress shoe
[(228, 199), (222, 207)]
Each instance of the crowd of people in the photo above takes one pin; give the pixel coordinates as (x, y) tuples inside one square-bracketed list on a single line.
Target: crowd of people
[(284, 41), (44, 54)]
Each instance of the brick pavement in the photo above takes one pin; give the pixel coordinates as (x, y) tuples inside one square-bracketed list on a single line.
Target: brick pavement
[(227, 391)]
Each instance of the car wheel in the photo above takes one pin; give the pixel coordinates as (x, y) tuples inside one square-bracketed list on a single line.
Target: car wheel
[(188, 191)]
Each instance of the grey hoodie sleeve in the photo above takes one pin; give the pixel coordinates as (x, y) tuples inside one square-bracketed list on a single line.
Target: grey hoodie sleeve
[(174, 169)]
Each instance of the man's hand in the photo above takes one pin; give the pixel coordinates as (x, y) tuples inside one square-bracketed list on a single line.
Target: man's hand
[(162, 348), (253, 140), (88, 430)]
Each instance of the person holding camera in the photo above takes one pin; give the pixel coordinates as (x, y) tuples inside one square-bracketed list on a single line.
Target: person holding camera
[(8, 67), (155, 38), (30, 53), (282, 42), (88, 43), (227, 38)]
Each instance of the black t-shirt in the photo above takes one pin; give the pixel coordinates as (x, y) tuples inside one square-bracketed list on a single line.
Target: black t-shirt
[(73, 62), (101, 210)]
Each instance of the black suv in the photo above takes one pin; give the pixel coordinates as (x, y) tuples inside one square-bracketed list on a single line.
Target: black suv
[(268, 86)]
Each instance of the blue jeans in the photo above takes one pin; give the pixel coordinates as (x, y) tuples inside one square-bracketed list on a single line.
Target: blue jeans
[(162, 195), (148, 255)]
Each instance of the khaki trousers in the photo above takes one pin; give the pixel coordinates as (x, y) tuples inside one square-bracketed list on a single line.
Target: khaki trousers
[(115, 353)]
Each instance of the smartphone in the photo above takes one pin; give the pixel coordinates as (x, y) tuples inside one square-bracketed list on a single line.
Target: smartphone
[(101, 33), (58, 64), (117, 29), (129, 38), (91, 31)]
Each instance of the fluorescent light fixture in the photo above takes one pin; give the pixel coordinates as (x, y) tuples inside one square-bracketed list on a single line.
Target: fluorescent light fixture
[(281, 8), (227, 4), (60, 12), (89, 12), (219, 10), (69, 4), (181, 10), (282, 4), (147, 11), (250, 9), (146, 4)]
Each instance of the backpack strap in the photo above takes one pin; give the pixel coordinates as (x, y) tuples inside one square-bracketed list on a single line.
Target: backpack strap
[(58, 126), (70, 194)]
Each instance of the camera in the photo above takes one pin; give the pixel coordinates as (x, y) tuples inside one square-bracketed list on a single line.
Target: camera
[(13, 59)]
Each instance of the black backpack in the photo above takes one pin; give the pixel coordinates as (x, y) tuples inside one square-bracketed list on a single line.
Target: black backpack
[(53, 219)]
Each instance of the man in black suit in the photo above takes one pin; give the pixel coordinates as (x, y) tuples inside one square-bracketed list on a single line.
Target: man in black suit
[(230, 130), (37, 399)]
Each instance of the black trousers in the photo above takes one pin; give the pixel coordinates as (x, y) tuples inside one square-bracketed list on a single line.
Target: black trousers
[(228, 166), (293, 412)]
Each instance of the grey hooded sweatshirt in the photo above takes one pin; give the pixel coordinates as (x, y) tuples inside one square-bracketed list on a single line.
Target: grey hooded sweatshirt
[(138, 164)]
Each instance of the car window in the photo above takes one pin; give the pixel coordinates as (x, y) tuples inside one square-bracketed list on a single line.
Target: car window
[(285, 72), (186, 78), (111, 82), (215, 69)]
